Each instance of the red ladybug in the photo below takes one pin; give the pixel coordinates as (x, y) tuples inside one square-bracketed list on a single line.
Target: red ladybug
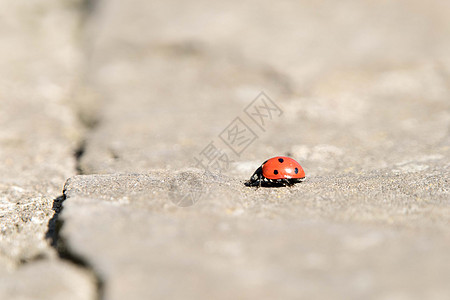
[(277, 171)]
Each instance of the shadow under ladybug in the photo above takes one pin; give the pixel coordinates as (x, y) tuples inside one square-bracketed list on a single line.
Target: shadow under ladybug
[(278, 171)]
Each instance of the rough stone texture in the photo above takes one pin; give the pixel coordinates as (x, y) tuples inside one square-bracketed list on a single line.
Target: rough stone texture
[(363, 237), (39, 66), (38, 133)]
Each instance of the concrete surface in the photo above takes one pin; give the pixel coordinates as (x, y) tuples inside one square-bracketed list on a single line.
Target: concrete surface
[(320, 239), (141, 96)]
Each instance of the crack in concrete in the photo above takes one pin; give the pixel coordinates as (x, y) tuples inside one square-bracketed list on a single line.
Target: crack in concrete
[(55, 224), (78, 154), (59, 243)]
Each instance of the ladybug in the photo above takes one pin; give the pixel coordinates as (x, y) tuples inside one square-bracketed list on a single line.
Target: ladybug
[(277, 171)]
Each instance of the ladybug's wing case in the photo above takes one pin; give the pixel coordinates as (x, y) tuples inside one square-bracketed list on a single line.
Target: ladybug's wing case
[(281, 167)]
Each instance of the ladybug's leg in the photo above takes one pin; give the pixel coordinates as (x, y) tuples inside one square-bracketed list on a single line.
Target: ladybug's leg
[(287, 182)]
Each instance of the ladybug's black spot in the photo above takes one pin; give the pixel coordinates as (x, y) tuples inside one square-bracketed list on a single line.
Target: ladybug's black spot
[(280, 160), (275, 172), (296, 170)]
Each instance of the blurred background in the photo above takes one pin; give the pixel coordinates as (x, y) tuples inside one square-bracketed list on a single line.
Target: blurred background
[(362, 84)]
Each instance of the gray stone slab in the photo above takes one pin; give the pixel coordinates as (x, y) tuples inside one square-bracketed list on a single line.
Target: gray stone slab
[(371, 236)]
